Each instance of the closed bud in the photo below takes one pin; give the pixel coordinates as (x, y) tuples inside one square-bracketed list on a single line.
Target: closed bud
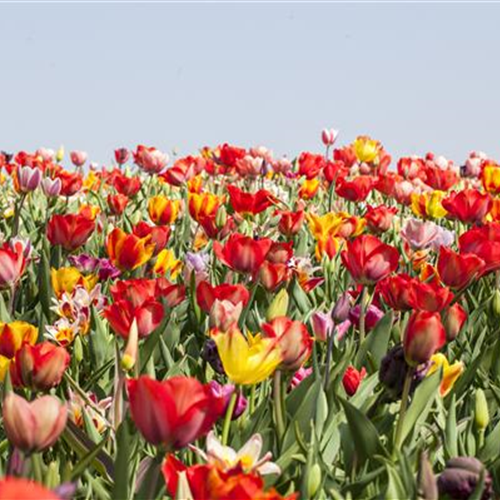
[(341, 309), (278, 306), (78, 349), (481, 413), (221, 217), (130, 355), (313, 480), (454, 319), (60, 154), (495, 304)]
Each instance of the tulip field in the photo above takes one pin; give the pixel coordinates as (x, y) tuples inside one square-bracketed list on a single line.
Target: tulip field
[(235, 325)]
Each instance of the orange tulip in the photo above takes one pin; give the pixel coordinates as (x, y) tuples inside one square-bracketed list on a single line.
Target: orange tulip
[(127, 251)]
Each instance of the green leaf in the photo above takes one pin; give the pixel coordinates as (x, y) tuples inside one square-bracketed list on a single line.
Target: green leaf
[(121, 480), (421, 403), (376, 342), (151, 342), (88, 458), (364, 433), (44, 280), (491, 445), (81, 444), (451, 429)]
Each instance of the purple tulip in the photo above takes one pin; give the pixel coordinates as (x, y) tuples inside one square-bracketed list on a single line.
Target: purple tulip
[(29, 178), (51, 187)]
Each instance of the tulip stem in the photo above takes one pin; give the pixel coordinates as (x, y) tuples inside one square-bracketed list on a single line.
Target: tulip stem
[(362, 314), (36, 464), (404, 406), (229, 416), (329, 349), (17, 215), (278, 404)]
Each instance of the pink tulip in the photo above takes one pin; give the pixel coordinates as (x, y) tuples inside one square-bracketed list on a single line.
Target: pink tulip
[(36, 425), (29, 178), (51, 187), (329, 136), (322, 325), (224, 314), (78, 158), (419, 234)]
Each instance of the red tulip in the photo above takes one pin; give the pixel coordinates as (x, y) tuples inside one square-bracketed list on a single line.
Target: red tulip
[(440, 179), (71, 182), (128, 186), (396, 291), (311, 164), (291, 222), (379, 219), (24, 489), (430, 296), (458, 270), (206, 295), (175, 412), (121, 155), (368, 260), (454, 319), (484, 242), (356, 189), (71, 231), (117, 203), (12, 263), (469, 206), (242, 253), (249, 203), (39, 366), (424, 336), (352, 379), (159, 234), (292, 338)]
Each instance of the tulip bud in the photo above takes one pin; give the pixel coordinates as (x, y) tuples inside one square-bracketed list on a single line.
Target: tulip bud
[(352, 378), (322, 325), (278, 306), (221, 217), (39, 367), (60, 154), (495, 304), (36, 425), (130, 355), (224, 314), (313, 480), (481, 413), (78, 349), (341, 308), (460, 477), (454, 319)]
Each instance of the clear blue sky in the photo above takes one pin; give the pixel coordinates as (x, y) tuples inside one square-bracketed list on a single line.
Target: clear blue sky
[(95, 77)]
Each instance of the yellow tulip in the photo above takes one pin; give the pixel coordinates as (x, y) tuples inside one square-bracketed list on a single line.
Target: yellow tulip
[(13, 335), (428, 205), (450, 372), (163, 211), (65, 280), (366, 149), (247, 362), (166, 262), (203, 205), (491, 179)]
